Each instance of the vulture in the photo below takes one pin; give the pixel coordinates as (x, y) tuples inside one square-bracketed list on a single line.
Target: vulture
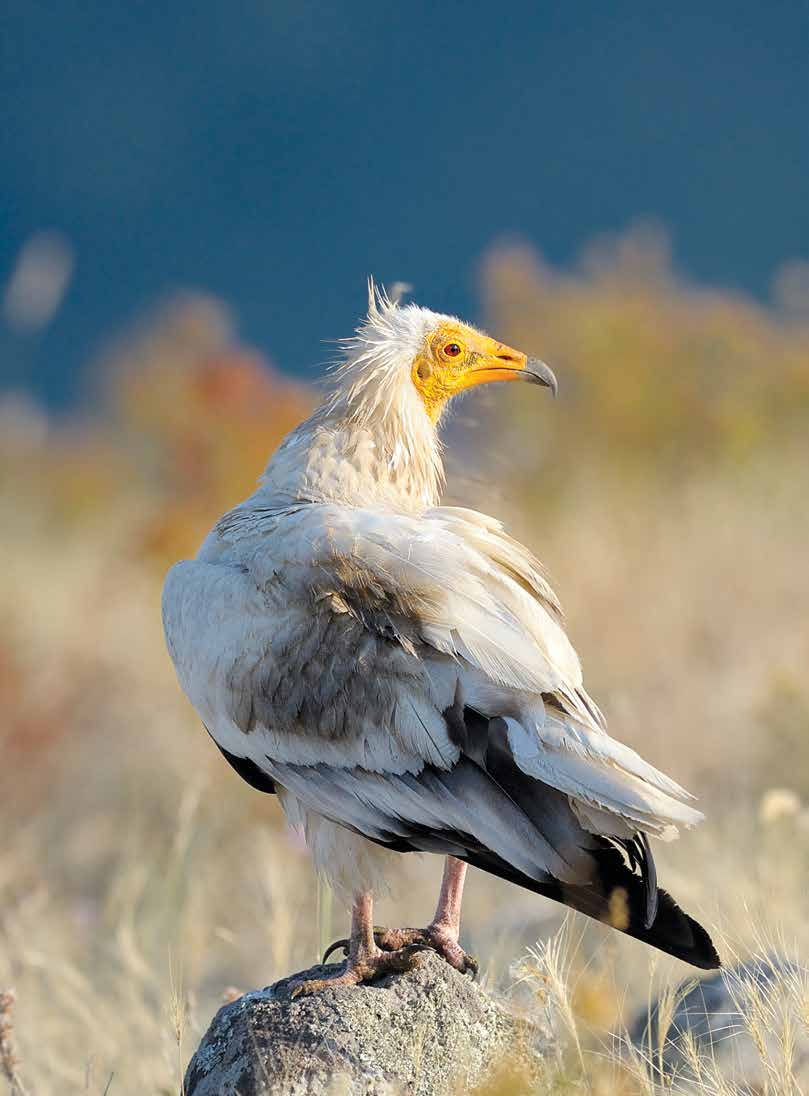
[(397, 671)]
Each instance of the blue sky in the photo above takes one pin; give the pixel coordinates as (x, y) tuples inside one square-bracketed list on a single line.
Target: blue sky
[(275, 153)]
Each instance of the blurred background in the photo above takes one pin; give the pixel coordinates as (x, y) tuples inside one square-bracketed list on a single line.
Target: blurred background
[(191, 201)]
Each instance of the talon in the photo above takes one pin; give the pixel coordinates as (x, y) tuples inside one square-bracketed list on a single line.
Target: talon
[(303, 989), (395, 939), (471, 966), (400, 960), (383, 939), (359, 970), (409, 950), (334, 947)]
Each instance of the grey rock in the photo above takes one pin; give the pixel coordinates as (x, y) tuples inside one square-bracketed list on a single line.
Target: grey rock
[(429, 1032), (717, 1015)]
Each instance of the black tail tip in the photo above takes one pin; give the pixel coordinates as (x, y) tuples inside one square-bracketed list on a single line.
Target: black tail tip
[(678, 934), (702, 952), (706, 955)]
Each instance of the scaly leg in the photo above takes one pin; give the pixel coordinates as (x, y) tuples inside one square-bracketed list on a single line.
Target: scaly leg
[(441, 934), (365, 960), (444, 930)]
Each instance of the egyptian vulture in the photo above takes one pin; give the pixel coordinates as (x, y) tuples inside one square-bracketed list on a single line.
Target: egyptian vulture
[(397, 672)]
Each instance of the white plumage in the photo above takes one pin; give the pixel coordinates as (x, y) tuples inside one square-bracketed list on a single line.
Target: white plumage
[(340, 632)]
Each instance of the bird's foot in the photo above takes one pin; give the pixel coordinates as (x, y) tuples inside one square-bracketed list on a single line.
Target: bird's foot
[(436, 937), (362, 968)]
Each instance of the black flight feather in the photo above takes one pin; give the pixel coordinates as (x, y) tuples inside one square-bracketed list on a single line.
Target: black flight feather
[(248, 770)]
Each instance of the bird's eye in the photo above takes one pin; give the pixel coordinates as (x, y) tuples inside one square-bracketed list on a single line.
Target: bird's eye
[(452, 350)]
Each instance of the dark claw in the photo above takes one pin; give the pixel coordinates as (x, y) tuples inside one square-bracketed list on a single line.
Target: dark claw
[(334, 947), (471, 967)]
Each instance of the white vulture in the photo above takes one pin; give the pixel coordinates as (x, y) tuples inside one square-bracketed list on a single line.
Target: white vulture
[(397, 672)]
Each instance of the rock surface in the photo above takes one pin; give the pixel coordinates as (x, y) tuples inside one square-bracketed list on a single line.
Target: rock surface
[(430, 1032), (735, 1020)]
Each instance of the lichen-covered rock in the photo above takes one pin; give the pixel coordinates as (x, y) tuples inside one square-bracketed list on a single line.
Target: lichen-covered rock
[(429, 1032)]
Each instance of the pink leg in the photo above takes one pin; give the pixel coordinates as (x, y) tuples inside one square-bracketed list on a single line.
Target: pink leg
[(448, 912), (444, 930), (361, 943)]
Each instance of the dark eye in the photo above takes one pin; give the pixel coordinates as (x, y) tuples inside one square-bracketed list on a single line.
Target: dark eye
[(452, 350)]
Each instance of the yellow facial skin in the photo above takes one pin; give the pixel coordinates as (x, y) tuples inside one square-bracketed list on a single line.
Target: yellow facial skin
[(455, 358)]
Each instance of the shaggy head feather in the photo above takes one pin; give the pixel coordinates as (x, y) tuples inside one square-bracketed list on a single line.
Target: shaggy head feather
[(374, 439)]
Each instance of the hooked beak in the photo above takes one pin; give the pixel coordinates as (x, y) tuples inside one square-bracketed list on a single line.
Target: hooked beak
[(497, 362), (537, 372)]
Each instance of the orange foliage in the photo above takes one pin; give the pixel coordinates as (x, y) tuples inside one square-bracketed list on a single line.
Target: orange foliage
[(203, 415)]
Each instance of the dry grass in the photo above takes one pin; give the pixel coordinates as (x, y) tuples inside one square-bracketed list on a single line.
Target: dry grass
[(9, 1062), (763, 1050), (139, 879)]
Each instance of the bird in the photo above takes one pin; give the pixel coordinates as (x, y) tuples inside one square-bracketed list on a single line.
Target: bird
[(398, 673)]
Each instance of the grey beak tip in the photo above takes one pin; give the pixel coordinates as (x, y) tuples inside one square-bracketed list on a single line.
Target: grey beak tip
[(542, 374)]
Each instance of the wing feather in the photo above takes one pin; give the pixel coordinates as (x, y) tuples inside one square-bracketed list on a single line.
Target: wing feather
[(328, 634), (408, 678)]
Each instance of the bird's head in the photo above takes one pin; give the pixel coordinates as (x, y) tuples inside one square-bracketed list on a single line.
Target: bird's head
[(456, 357), (374, 437), (406, 354)]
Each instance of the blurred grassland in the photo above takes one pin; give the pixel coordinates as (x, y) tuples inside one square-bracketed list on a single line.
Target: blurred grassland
[(666, 490)]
